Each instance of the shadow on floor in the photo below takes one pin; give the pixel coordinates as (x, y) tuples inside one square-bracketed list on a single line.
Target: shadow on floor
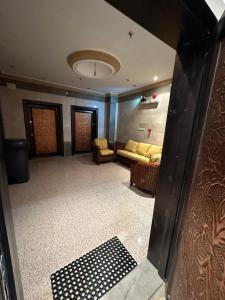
[(85, 159), (122, 165), (137, 191)]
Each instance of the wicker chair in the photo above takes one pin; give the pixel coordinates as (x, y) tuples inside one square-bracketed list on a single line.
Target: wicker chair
[(145, 176), (99, 155)]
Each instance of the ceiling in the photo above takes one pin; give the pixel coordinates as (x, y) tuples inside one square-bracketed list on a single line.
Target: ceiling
[(217, 7), (39, 35)]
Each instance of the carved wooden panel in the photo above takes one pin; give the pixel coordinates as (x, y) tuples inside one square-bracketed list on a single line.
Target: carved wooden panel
[(44, 125), (83, 131), (200, 267)]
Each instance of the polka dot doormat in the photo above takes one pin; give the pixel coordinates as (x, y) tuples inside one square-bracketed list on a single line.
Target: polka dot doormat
[(94, 274)]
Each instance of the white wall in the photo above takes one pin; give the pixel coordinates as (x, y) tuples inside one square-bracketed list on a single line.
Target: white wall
[(132, 115)]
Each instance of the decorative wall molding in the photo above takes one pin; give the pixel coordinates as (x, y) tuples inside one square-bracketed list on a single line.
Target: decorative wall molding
[(62, 90), (147, 87), (146, 91), (50, 88)]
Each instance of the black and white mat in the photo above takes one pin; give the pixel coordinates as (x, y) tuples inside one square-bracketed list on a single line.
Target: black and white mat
[(94, 274)]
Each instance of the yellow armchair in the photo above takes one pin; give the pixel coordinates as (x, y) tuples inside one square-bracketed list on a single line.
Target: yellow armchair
[(103, 151)]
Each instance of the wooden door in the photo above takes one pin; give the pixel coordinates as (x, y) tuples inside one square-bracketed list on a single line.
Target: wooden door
[(44, 128), (83, 128), (199, 260), (83, 121), (199, 268)]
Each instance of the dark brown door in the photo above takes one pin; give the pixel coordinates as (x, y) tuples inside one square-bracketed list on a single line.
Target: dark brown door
[(199, 268), (44, 128), (83, 128)]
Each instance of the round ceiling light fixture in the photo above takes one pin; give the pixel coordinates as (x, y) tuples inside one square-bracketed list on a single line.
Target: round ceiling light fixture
[(93, 64)]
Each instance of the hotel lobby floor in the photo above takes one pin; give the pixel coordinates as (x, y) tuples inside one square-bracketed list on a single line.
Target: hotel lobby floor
[(70, 206)]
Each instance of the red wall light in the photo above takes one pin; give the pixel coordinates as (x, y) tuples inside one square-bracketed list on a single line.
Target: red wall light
[(154, 95)]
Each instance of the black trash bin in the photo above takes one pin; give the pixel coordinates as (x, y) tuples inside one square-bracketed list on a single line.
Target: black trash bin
[(16, 158)]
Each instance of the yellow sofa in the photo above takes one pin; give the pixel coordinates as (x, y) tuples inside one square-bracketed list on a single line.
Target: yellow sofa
[(134, 152)]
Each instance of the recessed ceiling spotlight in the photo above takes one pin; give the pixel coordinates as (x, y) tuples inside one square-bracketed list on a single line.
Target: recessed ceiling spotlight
[(155, 78)]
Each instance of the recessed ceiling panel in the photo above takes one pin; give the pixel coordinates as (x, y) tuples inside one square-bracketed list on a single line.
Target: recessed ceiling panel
[(37, 39)]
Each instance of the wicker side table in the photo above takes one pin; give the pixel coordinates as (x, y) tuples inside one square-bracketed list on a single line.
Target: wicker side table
[(145, 176)]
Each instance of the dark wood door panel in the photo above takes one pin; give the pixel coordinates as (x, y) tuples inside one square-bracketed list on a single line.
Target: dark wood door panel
[(44, 128), (84, 128), (45, 131), (189, 84), (199, 271)]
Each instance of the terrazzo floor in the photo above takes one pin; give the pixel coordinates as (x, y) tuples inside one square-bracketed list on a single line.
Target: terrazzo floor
[(70, 206)]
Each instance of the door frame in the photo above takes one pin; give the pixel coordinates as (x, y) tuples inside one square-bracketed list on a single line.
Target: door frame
[(27, 106), (94, 131), (8, 247), (190, 29)]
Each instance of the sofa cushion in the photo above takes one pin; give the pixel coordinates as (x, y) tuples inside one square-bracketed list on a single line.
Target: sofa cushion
[(143, 149), (154, 149), (142, 158), (124, 153), (156, 157), (132, 146), (134, 156), (106, 152), (101, 143)]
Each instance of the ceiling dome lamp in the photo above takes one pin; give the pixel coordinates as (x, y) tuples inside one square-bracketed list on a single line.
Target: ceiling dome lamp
[(93, 64)]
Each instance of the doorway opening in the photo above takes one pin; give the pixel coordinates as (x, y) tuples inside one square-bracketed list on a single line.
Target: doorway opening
[(44, 128)]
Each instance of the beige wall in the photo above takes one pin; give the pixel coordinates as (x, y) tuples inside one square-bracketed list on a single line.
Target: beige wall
[(13, 117), (132, 116)]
